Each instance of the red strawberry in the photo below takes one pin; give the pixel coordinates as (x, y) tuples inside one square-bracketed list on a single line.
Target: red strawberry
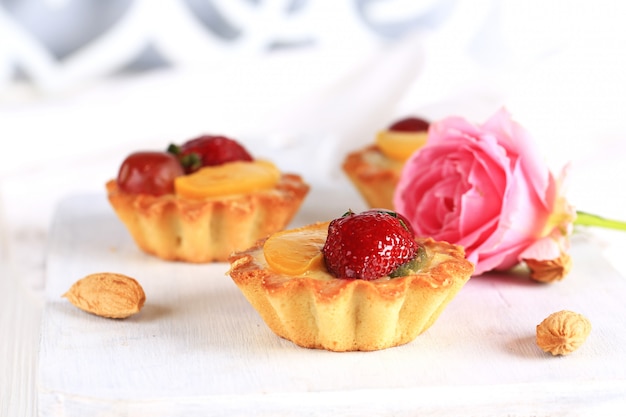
[(368, 245), (209, 150), (400, 217), (410, 124)]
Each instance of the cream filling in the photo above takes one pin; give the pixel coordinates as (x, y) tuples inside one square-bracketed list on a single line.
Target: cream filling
[(375, 157)]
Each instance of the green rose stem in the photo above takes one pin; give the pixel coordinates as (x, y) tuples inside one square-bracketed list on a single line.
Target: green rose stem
[(587, 219)]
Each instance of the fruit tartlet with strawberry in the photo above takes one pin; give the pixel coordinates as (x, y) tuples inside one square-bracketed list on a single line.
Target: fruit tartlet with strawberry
[(359, 282), (375, 169), (203, 200)]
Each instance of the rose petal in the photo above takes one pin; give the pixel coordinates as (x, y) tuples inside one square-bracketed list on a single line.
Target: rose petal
[(544, 249), (518, 142)]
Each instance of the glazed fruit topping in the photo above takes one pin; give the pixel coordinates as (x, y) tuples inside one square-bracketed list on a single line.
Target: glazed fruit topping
[(413, 266), (409, 124), (403, 138), (149, 173), (369, 245), (209, 150), (227, 179), (296, 251)]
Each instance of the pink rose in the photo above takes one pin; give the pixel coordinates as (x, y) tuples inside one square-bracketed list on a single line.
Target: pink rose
[(485, 188)]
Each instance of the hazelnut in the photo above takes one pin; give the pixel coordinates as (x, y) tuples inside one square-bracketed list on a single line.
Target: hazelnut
[(562, 332)]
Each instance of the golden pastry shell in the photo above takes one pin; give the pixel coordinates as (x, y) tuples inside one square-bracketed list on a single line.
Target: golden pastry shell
[(374, 175), (351, 314), (206, 230)]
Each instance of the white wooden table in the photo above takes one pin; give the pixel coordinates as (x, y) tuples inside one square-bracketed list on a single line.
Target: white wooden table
[(198, 347)]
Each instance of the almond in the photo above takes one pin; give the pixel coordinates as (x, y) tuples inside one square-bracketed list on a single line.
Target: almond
[(107, 294)]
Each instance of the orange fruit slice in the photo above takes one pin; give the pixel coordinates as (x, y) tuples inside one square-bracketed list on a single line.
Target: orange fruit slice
[(296, 251), (230, 178), (400, 145)]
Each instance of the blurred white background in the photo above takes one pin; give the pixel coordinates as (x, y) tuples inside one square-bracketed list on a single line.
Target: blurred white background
[(83, 83)]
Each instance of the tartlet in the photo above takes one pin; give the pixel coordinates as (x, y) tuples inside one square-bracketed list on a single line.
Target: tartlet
[(374, 175), (190, 225), (375, 169), (315, 309)]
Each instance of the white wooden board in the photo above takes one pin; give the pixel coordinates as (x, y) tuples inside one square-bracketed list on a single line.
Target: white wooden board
[(198, 348)]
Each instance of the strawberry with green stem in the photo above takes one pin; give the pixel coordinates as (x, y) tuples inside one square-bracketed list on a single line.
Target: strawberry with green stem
[(208, 150)]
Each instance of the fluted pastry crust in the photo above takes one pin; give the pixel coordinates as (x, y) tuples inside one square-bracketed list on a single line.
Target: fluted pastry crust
[(374, 175), (335, 314), (210, 229)]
